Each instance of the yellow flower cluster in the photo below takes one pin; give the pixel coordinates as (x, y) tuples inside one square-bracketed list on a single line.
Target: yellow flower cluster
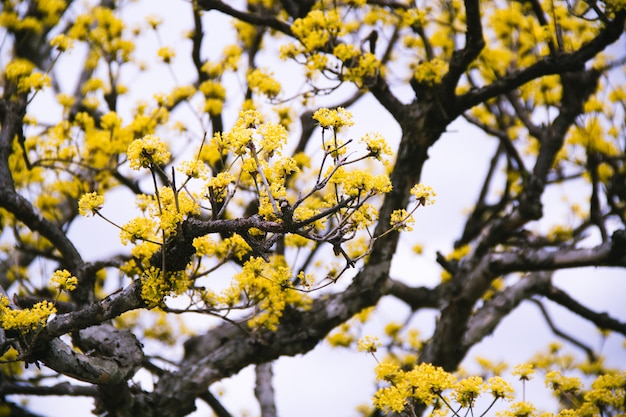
[(377, 145), (333, 118), (369, 344), (64, 280), (262, 82), (156, 285), (402, 220), (166, 54), (519, 409), (431, 72), (424, 194), (21, 72), (231, 247), (360, 183), (90, 203), (317, 28), (26, 320), (102, 29), (139, 228), (214, 96), (62, 43), (267, 285), (423, 383), (147, 152), (525, 371), (426, 384)]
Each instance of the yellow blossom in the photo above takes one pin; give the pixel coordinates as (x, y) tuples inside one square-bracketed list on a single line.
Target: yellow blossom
[(336, 119), (25, 320), (525, 371), (369, 344), (147, 151), (63, 280), (401, 220), (424, 194), (518, 409), (194, 169), (376, 145), (166, 54), (467, 391), (499, 388), (431, 72), (90, 203), (262, 82), (62, 42)]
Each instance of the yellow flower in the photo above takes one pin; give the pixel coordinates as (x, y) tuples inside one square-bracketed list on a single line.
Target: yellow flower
[(25, 320), (431, 72), (376, 145), (500, 388), (147, 151), (525, 371), (154, 21), (194, 169), (467, 390), (519, 409), (62, 42), (424, 194), (369, 344), (262, 82), (335, 119), (90, 203), (401, 220), (558, 381), (166, 54), (63, 280), (139, 228)]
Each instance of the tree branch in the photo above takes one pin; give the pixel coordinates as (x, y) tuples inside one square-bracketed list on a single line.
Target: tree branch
[(415, 297), (264, 389), (461, 59), (601, 320), (252, 18), (62, 389), (489, 316), (590, 355)]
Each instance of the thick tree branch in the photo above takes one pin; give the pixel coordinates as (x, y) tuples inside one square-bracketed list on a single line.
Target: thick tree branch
[(93, 369), (489, 316), (532, 259), (62, 389), (264, 389), (110, 307), (461, 59), (415, 297)]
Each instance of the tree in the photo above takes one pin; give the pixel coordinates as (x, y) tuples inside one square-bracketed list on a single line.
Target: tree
[(228, 207)]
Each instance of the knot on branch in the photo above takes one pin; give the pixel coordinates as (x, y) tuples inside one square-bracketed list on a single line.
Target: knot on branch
[(105, 341), (530, 201)]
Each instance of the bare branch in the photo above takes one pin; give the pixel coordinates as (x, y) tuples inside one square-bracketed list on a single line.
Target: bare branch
[(590, 355), (264, 389), (489, 316), (601, 320), (252, 18), (64, 389)]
